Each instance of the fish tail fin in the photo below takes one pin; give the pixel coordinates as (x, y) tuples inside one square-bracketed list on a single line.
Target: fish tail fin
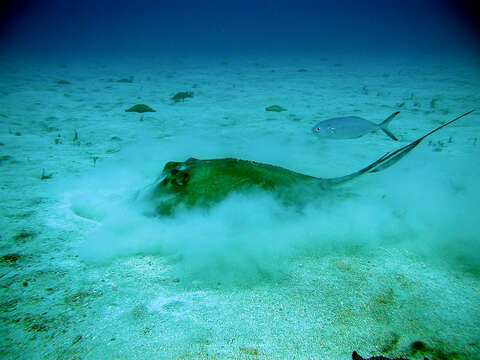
[(389, 159), (384, 125)]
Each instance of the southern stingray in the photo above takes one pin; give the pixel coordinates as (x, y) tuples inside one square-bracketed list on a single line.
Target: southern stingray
[(203, 183)]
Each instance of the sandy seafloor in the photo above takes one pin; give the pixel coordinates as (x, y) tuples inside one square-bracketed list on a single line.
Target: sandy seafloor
[(387, 261)]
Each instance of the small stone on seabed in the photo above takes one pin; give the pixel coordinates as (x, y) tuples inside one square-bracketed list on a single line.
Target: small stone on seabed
[(140, 108), (276, 108)]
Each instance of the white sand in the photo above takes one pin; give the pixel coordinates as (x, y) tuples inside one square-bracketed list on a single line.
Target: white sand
[(391, 260)]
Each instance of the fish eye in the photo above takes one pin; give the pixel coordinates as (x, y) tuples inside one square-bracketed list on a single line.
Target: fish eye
[(317, 129)]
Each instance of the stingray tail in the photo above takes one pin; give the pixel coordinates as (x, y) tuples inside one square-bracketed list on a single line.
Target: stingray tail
[(384, 125), (389, 159)]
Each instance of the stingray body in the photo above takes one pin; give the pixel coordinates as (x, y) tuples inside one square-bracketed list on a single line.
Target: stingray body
[(203, 183)]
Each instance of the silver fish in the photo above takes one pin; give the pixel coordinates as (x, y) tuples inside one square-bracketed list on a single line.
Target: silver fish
[(351, 127)]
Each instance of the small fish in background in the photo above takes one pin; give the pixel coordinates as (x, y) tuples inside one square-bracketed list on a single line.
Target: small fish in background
[(351, 127)]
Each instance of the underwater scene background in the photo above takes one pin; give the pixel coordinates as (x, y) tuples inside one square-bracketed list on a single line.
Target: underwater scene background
[(96, 97)]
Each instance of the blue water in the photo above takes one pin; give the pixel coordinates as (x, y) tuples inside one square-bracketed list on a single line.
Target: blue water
[(282, 28)]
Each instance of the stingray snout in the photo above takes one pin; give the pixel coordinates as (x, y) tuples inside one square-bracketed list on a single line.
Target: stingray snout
[(176, 177)]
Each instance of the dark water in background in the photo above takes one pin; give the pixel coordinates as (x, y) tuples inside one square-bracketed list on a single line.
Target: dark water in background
[(213, 28)]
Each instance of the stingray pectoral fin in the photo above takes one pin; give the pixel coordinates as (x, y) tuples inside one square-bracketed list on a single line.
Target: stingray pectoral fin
[(389, 159)]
